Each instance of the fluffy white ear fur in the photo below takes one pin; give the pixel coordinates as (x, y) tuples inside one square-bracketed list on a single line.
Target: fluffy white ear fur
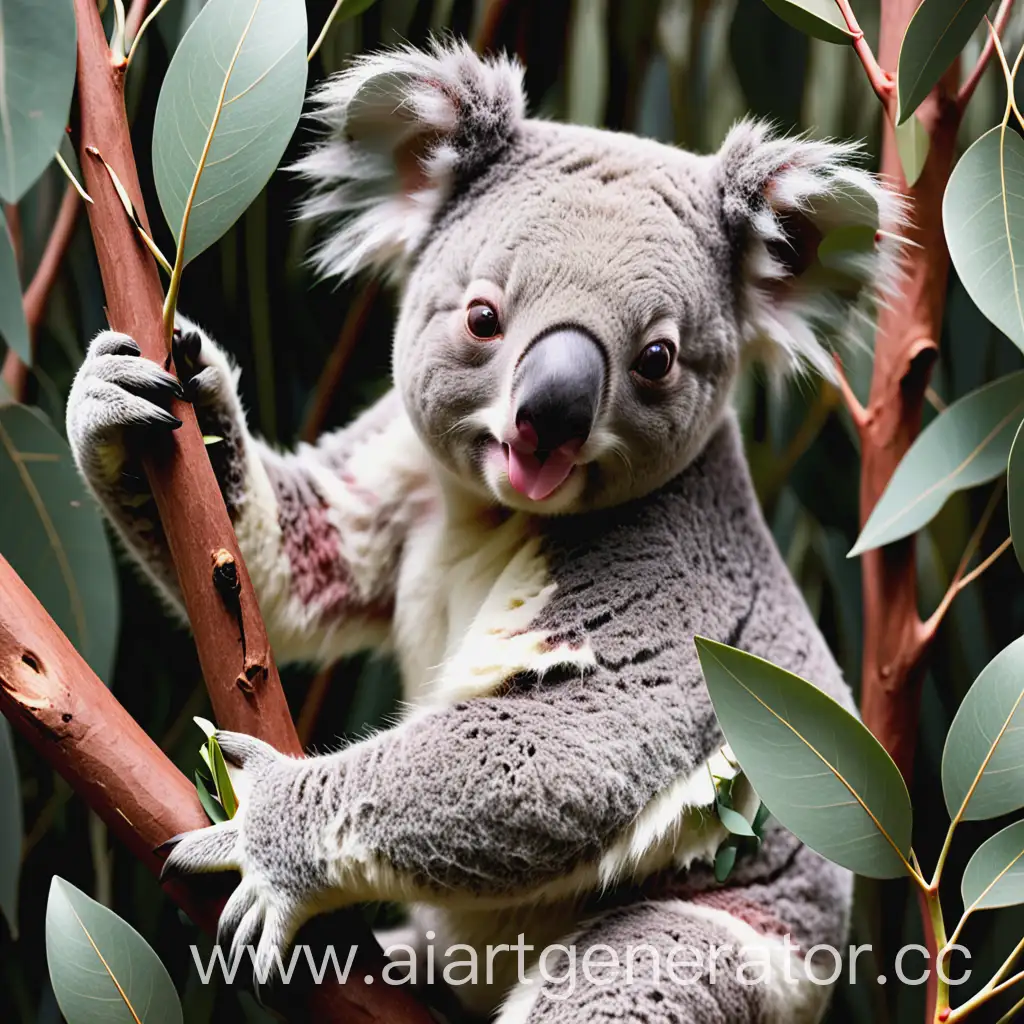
[(401, 128), (781, 197)]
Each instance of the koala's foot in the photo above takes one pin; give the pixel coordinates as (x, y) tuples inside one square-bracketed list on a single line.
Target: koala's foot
[(282, 879)]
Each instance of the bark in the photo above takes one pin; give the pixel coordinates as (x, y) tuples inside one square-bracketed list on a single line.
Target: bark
[(234, 653), (52, 697)]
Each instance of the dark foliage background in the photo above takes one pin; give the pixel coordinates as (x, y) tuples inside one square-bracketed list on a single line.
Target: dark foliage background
[(678, 70)]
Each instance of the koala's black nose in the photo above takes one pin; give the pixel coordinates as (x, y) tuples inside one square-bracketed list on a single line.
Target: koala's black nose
[(558, 389)]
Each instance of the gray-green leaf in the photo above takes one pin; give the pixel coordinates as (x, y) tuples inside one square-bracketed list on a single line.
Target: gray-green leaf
[(937, 33), (10, 828), (37, 76), (13, 327), (983, 217), (994, 876), (983, 760), (734, 821), (1015, 495), (966, 445), (53, 535), (102, 970), (253, 52), (821, 19), (912, 144), (825, 777)]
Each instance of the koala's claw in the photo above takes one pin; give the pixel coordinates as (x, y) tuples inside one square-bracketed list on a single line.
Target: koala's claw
[(216, 848)]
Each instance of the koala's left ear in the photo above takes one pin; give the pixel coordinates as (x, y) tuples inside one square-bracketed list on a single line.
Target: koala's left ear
[(403, 128), (812, 235)]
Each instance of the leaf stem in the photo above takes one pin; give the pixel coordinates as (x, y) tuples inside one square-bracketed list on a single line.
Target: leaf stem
[(117, 36), (1012, 1015), (931, 896), (145, 24), (171, 300), (323, 32), (70, 175)]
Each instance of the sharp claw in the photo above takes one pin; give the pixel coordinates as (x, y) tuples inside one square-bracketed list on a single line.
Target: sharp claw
[(169, 844)]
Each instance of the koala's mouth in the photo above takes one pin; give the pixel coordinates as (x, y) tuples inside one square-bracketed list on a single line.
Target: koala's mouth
[(538, 474)]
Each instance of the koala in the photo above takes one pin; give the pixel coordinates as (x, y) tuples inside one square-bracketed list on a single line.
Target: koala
[(537, 519)]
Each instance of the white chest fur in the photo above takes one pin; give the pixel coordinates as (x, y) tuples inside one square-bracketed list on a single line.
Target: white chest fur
[(469, 588)]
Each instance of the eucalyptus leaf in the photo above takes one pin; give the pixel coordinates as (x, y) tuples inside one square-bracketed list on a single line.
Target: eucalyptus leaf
[(821, 19), (734, 821), (983, 760), (37, 75), (912, 144), (13, 326), (1015, 495), (983, 218), (214, 811), (937, 33), (53, 535), (101, 969), (966, 445), (725, 861), (240, 68), (10, 828), (221, 779), (825, 777), (994, 876)]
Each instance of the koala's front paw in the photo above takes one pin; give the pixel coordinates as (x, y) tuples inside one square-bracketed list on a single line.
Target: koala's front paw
[(116, 390), (267, 843)]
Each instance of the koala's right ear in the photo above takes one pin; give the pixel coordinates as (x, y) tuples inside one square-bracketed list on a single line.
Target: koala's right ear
[(403, 128)]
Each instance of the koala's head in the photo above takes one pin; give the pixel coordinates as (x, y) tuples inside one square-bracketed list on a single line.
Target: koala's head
[(575, 302)]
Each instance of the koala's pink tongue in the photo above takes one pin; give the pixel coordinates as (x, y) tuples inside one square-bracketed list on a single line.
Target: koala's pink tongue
[(536, 479)]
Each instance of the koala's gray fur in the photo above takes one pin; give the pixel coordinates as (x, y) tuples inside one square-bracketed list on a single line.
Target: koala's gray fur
[(553, 774)]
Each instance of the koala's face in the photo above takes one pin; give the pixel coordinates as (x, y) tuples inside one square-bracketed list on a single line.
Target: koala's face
[(576, 302), (567, 337)]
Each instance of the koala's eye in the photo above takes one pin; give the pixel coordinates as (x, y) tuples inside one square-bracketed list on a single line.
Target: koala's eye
[(655, 361), (482, 320)]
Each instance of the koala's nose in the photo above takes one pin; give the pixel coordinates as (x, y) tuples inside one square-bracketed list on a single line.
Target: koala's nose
[(558, 389)]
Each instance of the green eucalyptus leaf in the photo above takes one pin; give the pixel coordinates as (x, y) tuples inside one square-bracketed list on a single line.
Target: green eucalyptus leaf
[(1015, 495), (101, 969), (994, 876), (221, 779), (10, 828), (937, 33), (240, 68), (983, 760), (214, 811), (725, 861), (37, 76), (734, 821), (205, 724), (53, 535), (912, 144), (821, 19), (13, 326), (983, 218), (966, 445), (825, 777)]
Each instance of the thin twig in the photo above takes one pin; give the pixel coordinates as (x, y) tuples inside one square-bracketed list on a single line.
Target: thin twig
[(857, 411), (962, 578), (38, 292), (881, 80), (1012, 1015), (972, 80), (142, 28)]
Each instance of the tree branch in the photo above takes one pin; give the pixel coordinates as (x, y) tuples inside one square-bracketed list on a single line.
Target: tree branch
[(234, 652), (972, 80), (15, 373), (53, 699), (881, 80)]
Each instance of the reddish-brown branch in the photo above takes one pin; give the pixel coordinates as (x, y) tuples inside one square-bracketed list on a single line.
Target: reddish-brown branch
[(975, 76), (881, 80), (234, 653), (333, 372), (15, 373), (57, 703)]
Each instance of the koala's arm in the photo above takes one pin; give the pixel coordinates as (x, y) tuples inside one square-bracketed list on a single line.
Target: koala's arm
[(320, 528)]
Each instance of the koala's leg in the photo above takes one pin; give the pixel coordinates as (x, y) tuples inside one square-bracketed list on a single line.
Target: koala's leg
[(731, 955), (319, 528)]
